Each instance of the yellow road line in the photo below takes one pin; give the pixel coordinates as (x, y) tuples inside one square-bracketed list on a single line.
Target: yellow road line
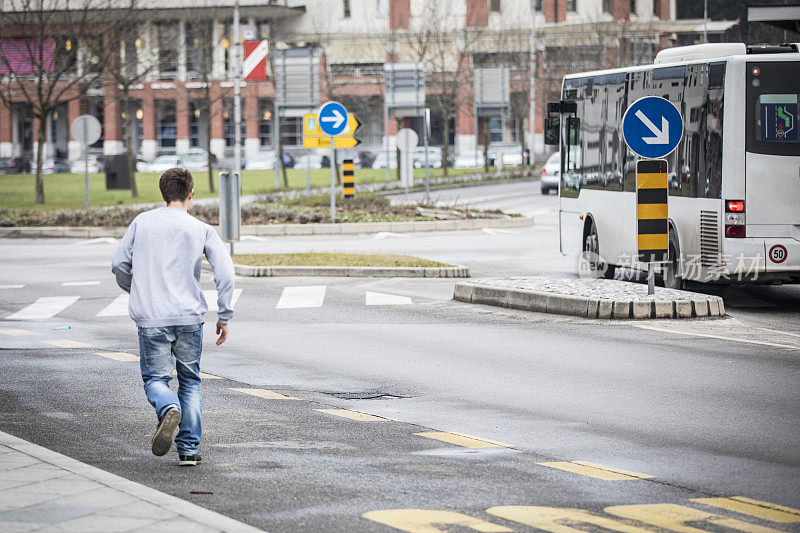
[(605, 473), (118, 356), (266, 394), (66, 343), (203, 375), (17, 332), (460, 439), (671, 517), (756, 508), (354, 415)]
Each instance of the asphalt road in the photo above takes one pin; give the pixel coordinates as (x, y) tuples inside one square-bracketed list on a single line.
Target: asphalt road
[(692, 410)]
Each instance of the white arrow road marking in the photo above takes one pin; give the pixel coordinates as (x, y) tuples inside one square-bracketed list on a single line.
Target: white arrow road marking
[(337, 118), (495, 231), (384, 234), (251, 238), (119, 307), (46, 307), (380, 298), (306, 296), (661, 135), (211, 298), (12, 286)]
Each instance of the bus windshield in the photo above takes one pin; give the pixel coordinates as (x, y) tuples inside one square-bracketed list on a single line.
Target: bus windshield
[(773, 94)]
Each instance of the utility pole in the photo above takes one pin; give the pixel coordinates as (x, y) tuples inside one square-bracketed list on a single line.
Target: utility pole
[(532, 117), (237, 92), (705, 21)]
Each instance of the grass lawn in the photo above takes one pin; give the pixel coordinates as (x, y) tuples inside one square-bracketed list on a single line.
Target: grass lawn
[(65, 191), (322, 259)]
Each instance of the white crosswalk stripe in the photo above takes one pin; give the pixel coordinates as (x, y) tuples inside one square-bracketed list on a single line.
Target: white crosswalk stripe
[(46, 307), (79, 283), (305, 296), (11, 286), (119, 307), (381, 298)]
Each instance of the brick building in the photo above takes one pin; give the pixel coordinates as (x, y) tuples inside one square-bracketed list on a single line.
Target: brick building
[(354, 38)]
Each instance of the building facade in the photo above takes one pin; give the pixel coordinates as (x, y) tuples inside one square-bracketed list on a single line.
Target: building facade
[(181, 57)]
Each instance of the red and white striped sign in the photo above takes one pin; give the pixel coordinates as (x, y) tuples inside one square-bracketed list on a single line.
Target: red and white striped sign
[(254, 67)]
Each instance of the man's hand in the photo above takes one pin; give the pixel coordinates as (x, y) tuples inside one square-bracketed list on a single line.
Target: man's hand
[(222, 331)]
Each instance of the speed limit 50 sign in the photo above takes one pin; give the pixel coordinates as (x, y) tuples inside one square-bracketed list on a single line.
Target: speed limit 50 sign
[(778, 254)]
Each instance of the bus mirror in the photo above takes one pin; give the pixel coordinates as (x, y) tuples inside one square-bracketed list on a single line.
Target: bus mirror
[(552, 124), (573, 131)]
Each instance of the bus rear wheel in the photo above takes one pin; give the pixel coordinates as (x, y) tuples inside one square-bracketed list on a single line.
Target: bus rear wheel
[(672, 274), (591, 255)]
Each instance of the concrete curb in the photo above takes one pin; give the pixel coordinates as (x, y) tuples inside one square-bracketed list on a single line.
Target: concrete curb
[(351, 272), (275, 230), (565, 304)]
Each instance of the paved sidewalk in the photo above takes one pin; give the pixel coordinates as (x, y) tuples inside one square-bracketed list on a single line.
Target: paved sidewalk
[(41, 490)]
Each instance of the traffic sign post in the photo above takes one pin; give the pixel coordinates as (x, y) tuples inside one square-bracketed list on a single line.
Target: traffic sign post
[(652, 128), (86, 129), (332, 121), (652, 215)]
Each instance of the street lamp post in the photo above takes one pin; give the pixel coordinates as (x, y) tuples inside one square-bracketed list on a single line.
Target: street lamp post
[(532, 117)]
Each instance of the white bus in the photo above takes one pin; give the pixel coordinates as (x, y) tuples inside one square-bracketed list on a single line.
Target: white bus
[(734, 179)]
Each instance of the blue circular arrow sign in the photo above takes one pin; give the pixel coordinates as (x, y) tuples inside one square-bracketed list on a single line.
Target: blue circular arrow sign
[(332, 118), (652, 127)]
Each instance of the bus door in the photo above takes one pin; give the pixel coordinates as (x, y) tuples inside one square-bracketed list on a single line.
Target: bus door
[(772, 160)]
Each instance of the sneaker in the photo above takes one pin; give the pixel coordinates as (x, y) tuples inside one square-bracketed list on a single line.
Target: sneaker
[(162, 440), (189, 460)]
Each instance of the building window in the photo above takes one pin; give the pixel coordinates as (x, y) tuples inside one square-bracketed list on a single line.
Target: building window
[(198, 52), (265, 123), (291, 132), (347, 9), (495, 130), (383, 8), (166, 125), (494, 5), (606, 6), (572, 6), (633, 7), (657, 8), (229, 122), (537, 5), (168, 33)]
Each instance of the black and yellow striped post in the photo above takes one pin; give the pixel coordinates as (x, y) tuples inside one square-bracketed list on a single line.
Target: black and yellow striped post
[(348, 179), (651, 200)]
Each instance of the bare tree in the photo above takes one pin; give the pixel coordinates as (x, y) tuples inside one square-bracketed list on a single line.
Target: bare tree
[(443, 43), (47, 59), (127, 65)]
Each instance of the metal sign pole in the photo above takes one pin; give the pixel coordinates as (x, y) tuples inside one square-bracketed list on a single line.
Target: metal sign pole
[(85, 165), (427, 165), (276, 139), (651, 280), (333, 182), (386, 137), (237, 92)]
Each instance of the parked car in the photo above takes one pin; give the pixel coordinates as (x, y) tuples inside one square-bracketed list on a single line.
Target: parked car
[(361, 158), (380, 159), (289, 161), (15, 165), (78, 166), (434, 157), (194, 161), (163, 163), (468, 160), (52, 166), (261, 161), (551, 173), (512, 156), (312, 161)]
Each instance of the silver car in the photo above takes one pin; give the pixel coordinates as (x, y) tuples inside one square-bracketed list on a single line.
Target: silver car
[(551, 173)]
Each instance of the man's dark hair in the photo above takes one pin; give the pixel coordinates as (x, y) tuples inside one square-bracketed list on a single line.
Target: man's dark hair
[(175, 184)]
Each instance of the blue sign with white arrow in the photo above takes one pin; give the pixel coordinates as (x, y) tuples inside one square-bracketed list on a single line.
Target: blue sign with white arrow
[(332, 117), (652, 127)]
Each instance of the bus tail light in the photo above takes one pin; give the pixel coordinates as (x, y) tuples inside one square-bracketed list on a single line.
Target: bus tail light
[(734, 219)]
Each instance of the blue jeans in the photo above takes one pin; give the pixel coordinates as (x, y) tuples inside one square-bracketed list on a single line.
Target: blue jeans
[(157, 347)]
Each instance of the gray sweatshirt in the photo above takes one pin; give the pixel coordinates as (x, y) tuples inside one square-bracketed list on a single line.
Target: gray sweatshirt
[(158, 262)]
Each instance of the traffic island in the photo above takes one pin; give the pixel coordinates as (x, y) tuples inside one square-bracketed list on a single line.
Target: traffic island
[(342, 265), (589, 298)]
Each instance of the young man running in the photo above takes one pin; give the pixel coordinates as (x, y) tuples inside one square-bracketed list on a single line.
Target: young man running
[(158, 262)]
